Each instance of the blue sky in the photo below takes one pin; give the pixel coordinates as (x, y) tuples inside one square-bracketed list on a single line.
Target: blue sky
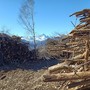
[(51, 16)]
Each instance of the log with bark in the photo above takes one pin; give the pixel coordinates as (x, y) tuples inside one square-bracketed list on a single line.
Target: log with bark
[(57, 67), (78, 83), (67, 76)]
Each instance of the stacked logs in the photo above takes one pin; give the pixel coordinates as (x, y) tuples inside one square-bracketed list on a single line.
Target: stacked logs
[(12, 49), (73, 42), (84, 16), (75, 71)]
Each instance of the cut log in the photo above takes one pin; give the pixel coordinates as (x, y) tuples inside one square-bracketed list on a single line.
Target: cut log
[(86, 87), (66, 76), (58, 66), (74, 84), (80, 31), (81, 56), (76, 60), (65, 65), (72, 43)]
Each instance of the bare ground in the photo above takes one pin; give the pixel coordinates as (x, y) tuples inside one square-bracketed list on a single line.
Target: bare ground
[(27, 76)]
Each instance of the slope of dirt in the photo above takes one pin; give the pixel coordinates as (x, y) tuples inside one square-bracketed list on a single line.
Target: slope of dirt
[(25, 79)]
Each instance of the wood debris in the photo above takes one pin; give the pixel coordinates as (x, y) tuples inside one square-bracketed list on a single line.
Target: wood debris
[(74, 70), (13, 50)]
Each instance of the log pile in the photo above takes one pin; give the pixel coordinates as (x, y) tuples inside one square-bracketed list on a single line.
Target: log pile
[(12, 49), (84, 16), (74, 71)]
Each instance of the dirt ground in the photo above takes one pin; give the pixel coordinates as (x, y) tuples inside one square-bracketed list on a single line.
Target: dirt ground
[(27, 76)]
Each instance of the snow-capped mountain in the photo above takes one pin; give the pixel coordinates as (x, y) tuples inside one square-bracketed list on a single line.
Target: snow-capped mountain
[(41, 37), (40, 40)]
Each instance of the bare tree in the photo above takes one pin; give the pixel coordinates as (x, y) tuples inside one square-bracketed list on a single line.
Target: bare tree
[(26, 19)]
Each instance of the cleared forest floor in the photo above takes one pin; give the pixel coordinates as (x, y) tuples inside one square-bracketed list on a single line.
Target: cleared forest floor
[(26, 77)]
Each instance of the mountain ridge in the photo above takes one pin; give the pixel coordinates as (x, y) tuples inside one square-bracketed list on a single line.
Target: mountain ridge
[(41, 37)]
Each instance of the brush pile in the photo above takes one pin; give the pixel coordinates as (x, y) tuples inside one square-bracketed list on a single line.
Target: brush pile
[(74, 72), (12, 49)]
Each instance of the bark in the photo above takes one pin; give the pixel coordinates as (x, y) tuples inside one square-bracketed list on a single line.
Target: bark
[(65, 65), (67, 76), (81, 56), (74, 84), (58, 66)]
